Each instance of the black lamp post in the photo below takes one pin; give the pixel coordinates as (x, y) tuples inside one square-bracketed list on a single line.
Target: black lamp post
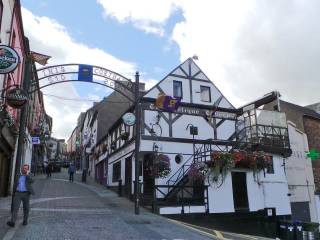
[(137, 145)]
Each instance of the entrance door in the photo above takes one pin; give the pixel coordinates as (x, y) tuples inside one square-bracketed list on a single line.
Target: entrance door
[(148, 174), (128, 176), (240, 193)]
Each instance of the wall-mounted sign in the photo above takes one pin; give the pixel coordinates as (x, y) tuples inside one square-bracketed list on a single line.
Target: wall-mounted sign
[(9, 59), (16, 97), (35, 140), (194, 111), (129, 119)]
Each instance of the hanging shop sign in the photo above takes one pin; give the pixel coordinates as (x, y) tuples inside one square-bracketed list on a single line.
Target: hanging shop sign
[(16, 97), (129, 119), (9, 59)]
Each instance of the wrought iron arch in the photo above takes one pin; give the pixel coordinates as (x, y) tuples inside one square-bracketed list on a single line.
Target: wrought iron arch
[(73, 72)]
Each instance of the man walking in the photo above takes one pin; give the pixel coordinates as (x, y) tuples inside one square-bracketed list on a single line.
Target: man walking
[(22, 191), (71, 171)]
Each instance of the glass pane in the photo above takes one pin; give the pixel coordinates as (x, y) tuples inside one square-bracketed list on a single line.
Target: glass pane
[(177, 89), (205, 94), (272, 118)]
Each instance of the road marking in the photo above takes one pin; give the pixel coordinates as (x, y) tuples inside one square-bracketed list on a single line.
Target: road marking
[(243, 235), (219, 234), (195, 229)]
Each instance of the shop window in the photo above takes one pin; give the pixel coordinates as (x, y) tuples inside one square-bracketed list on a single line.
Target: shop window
[(177, 89), (116, 171), (205, 94)]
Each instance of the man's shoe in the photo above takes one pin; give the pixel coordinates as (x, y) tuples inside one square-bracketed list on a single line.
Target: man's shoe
[(25, 223), (10, 224)]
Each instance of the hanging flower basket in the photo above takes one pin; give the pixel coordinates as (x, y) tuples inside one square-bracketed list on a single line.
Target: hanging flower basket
[(124, 136), (198, 171), (162, 166)]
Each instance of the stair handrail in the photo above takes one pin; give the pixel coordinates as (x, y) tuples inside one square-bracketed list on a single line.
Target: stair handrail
[(181, 169)]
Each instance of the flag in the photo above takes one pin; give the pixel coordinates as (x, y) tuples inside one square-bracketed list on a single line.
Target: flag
[(39, 58)]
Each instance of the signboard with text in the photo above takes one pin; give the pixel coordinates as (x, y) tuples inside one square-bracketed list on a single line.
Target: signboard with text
[(9, 59)]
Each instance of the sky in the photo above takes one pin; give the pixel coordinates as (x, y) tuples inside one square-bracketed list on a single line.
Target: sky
[(247, 48)]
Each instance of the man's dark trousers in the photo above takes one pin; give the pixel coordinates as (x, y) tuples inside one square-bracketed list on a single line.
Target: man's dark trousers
[(19, 197), (71, 177)]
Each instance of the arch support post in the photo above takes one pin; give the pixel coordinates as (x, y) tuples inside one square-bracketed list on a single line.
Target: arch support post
[(137, 145)]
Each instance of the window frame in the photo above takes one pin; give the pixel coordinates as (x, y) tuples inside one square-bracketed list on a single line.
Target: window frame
[(180, 83), (205, 87)]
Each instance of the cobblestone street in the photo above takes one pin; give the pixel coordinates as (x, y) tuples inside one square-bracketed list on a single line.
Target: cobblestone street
[(64, 210)]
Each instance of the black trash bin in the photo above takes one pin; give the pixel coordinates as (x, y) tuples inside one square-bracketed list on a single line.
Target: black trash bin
[(286, 230), (84, 175), (310, 230), (298, 230)]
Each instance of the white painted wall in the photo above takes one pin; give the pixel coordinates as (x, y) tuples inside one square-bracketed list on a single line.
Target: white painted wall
[(221, 199), (299, 171)]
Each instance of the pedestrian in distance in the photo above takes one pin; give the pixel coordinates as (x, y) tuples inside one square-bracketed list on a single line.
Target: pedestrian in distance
[(71, 171), (49, 170), (21, 193)]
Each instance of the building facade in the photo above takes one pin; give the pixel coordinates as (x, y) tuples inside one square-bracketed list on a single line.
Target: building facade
[(203, 123)]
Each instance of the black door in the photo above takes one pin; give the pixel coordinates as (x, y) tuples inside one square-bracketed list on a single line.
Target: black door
[(148, 174), (128, 176), (240, 193)]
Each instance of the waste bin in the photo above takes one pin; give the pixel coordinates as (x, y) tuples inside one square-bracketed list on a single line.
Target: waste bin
[(310, 231), (298, 230), (84, 175), (286, 230)]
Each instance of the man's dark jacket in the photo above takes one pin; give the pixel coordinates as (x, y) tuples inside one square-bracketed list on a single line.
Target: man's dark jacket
[(29, 182)]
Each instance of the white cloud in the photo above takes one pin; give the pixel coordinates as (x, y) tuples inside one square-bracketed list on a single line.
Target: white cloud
[(247, 48), (150, 83), (49, 37), (147, 15)]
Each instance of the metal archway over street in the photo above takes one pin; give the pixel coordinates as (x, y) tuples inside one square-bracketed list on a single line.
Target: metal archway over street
[(56, 74)]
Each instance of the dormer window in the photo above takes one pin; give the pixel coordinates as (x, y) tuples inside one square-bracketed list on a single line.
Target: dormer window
[(177, 89), (205, 94)]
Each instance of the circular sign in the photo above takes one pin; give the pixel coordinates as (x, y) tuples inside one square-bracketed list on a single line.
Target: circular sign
[(9, 59), (16, 97), (129, 119)]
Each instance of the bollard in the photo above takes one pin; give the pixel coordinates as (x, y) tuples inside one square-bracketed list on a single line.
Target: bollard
[(120, 188)]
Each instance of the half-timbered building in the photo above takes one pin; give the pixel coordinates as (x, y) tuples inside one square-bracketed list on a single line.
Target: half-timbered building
[(197, 122)]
